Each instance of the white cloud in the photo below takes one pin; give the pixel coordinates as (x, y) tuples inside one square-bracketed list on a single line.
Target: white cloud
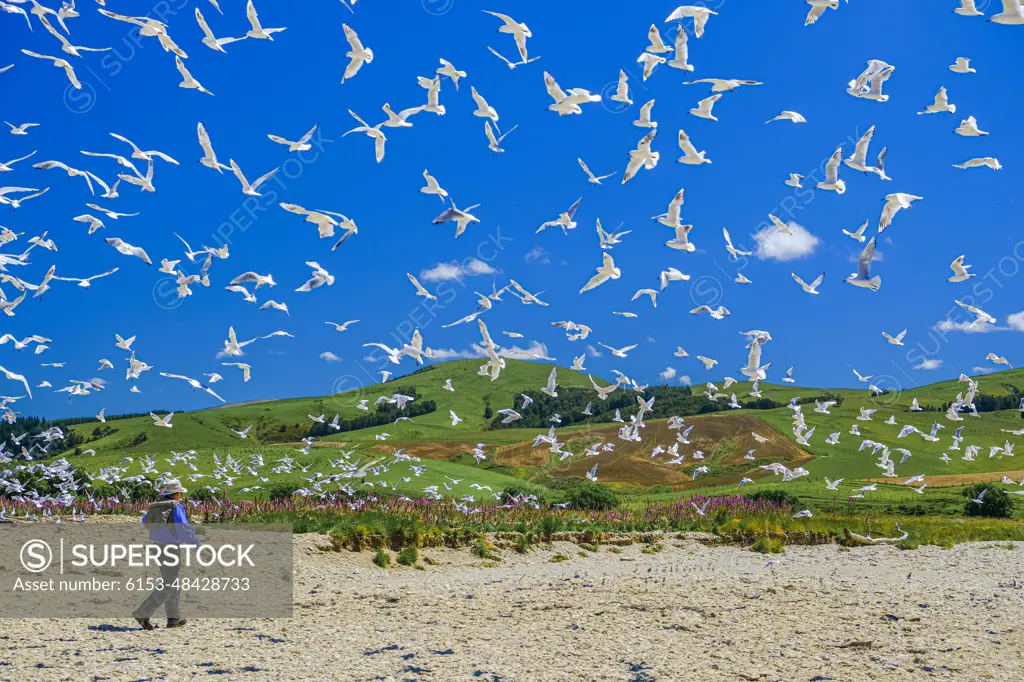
[(539, 255), (328, 356), (951, 326), (930, 363), (685, 380), (593, 352), (455, 270), (668, 375), (535, 351), (452, 354), (982, 370), (775, 245), (1016, 321)]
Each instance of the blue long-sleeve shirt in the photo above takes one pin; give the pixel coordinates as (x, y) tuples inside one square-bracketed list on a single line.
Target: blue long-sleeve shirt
[(177, 531)]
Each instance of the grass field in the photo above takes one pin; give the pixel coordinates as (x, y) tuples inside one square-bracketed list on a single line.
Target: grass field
[(445, 450)]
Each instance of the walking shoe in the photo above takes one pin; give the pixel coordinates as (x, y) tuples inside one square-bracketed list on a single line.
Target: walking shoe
[(146, 623), (176, 622)]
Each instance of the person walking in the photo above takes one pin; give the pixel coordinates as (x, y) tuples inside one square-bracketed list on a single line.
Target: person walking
[(169, 526)]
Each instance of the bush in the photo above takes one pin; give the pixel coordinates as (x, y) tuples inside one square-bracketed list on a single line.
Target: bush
[(409, 556), (488, 412), (282, 491), (660, 489), (775, 496), (203, 494), (485, 550), (382, 558), (768, 545), (592, 496), (996, 503), (514, 491)]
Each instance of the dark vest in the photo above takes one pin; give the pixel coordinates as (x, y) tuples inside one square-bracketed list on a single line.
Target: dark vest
[(161, 512)]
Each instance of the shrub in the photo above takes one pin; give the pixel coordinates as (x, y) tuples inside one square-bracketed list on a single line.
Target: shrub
[(408, 556), (775, 496), (514, 491), (488, 412), (485, 550), (995, 504), (592, 496), (660, 489), (382, 558), (523, 543), (557, 559), (281, 491), (202, 495), (768, 545)]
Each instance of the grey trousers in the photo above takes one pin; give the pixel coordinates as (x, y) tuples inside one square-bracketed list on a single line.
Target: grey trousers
[(169, 594)]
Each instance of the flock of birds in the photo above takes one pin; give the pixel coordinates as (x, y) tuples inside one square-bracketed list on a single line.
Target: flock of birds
[(138, 168)]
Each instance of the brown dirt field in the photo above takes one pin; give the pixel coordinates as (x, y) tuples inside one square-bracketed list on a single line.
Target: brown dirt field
[(631, 463), (959, 479), (428, 450)]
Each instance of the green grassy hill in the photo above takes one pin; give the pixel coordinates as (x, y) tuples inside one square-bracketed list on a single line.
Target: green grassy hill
[(279, 425)]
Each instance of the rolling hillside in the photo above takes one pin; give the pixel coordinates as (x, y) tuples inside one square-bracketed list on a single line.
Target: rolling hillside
[(724, 436)]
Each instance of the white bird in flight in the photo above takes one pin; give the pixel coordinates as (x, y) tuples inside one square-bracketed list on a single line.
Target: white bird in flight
[(591, 178), (859, 234), (358, 55), (962, 65), (862, 278), (832, 181), (641, 157), (691, 156), (257, 31), (941, 104), (604, 273), (895, 340), (700, 16), (1011, 15), (988, 161), (432, 187), (461, 218), (300, 145), (811, 288), (893, 204), (250, 189), (969, 128), (960, 273), (374, 132), (788, 116), (703, 108)]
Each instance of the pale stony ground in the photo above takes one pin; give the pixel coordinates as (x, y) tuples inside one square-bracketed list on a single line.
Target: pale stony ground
[(689, 612)]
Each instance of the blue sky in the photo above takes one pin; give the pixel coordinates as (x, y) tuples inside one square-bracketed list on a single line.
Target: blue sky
[(286, 86)]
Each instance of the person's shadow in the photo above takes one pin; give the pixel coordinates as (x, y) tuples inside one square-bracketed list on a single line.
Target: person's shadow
[(106, 627)]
